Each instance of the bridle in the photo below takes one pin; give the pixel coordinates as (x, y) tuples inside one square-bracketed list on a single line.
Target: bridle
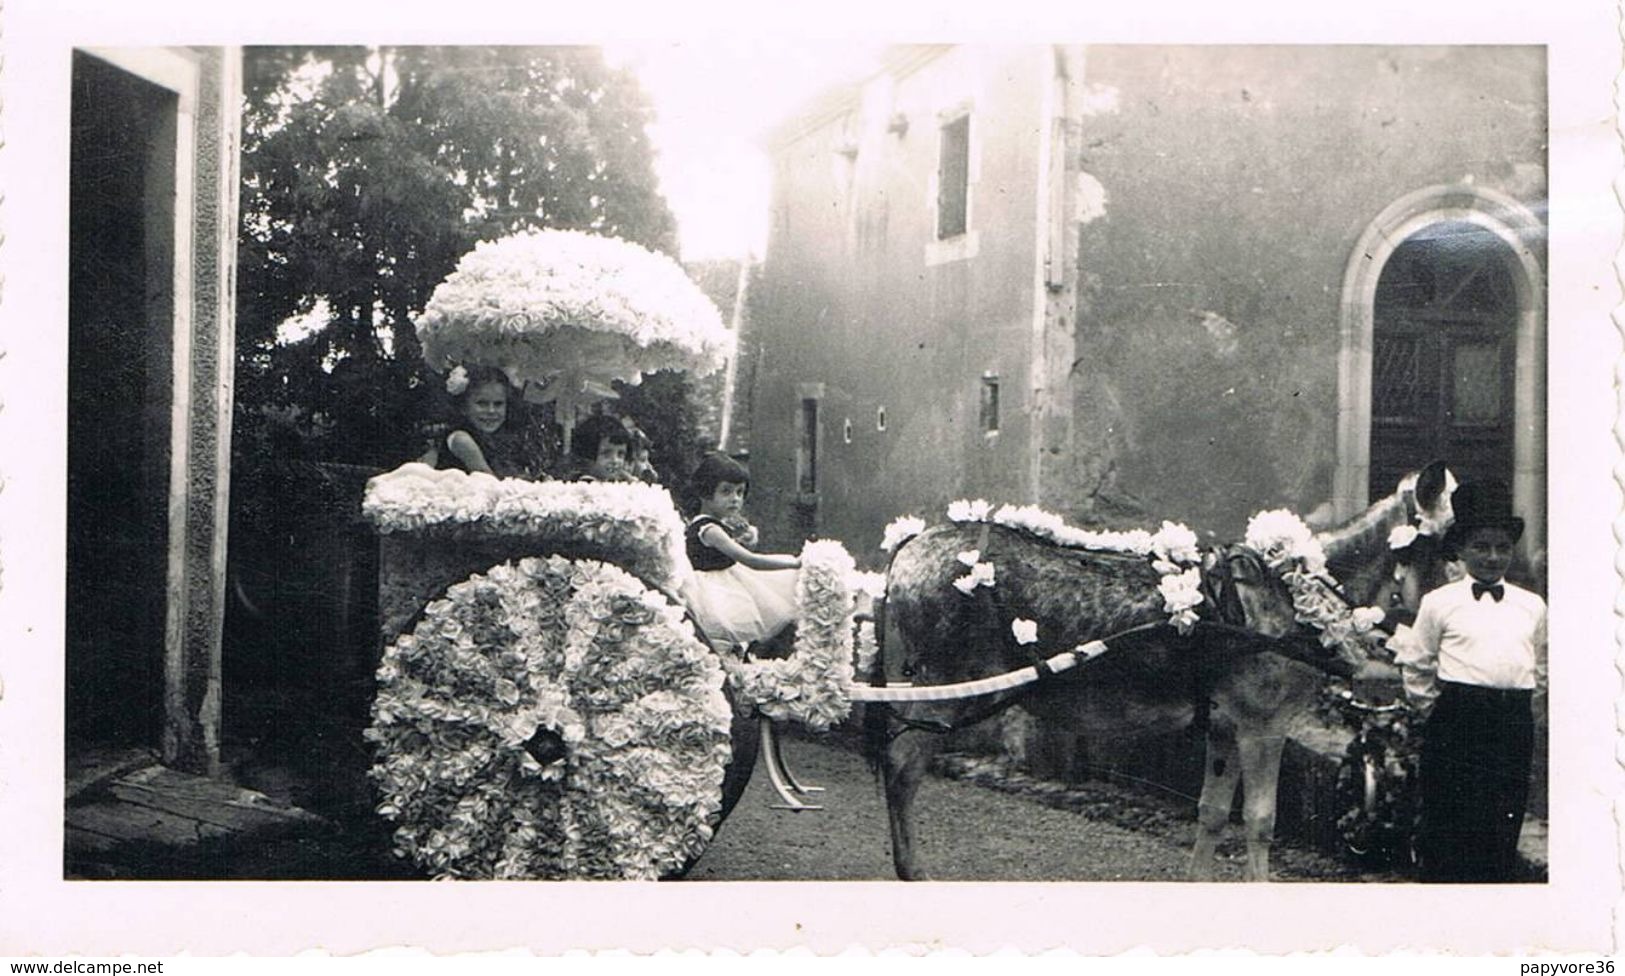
[(1221, 600)]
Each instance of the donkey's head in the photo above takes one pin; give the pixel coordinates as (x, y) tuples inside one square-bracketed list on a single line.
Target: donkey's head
[(1248, 593), (1366, 555)]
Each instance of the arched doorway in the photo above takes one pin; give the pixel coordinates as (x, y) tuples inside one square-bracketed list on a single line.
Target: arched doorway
[(1443, 356), (1457, 367)]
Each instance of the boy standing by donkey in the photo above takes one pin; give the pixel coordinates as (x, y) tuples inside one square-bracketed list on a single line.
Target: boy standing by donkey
[(1474, 663)]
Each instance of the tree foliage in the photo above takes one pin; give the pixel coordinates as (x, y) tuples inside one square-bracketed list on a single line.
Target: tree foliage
[(367, 173)]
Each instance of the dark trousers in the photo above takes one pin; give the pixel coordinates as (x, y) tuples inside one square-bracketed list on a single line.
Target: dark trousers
[(1476, 752)]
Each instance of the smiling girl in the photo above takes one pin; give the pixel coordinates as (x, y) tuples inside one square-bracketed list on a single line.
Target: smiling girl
[(480, 397)]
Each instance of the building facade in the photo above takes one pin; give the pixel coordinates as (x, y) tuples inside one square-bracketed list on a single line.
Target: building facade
[(1132, 283), (152, 279)]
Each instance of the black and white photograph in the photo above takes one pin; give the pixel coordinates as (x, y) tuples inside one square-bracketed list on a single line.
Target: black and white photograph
[(1121, 469)]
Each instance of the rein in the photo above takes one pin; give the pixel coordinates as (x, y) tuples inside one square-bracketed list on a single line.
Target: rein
[(1222, 611)]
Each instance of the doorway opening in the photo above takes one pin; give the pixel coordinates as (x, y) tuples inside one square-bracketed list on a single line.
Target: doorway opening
[(1444, 356), (121, 314)]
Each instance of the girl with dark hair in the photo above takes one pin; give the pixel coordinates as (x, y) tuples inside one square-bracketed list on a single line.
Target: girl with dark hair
[(738, 596), (601, 445), (480, 399)]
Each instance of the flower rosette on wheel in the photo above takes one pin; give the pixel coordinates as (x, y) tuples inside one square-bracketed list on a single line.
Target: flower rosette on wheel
[(551, 718)]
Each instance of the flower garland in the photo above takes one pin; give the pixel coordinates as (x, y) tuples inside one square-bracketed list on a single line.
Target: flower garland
[(540, 302), (1174, 550), (814, 685), (1291, 550), (900, 530), (576, 648), (1286, 543), (635, 522), (869, 588)]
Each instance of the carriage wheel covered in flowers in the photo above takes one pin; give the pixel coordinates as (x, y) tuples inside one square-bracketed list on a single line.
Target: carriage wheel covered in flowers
[(605, 674)]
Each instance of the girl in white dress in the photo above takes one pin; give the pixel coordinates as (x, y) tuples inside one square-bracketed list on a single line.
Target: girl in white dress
[(738, 596)]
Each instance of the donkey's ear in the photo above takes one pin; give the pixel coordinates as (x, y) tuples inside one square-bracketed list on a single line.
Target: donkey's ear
[(1433, 489), (1430, 481)]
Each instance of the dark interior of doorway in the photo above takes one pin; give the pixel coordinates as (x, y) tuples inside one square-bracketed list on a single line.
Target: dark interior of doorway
[(1444, 356), (120, 318)]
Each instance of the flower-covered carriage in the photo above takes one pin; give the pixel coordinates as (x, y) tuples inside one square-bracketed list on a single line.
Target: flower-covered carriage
[(546, 707)]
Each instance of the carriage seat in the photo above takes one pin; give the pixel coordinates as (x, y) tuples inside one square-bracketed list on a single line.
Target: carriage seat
[(437, 528)]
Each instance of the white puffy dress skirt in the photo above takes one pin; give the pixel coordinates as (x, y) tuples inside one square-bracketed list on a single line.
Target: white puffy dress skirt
[(740, 605)]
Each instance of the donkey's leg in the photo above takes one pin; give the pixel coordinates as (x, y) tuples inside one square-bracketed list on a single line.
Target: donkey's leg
[(1220, 772), (902, 766), (1260, 776)]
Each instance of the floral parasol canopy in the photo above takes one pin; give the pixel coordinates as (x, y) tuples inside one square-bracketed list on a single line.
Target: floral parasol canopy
[(565, 313)]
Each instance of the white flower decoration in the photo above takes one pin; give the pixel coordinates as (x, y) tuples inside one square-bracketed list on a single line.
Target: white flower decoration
[(1176, 543), (1402, 536), (900, 531), (539, 300), (1181, 591), (1366, 618), (1281, 537), (636, 521), (969, 511), (981, 574), (970, 557), (1048, 525), (1026, 631), (457, 381), (872, 584)]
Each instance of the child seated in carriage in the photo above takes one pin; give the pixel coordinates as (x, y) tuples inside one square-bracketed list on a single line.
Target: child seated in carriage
[(602, 447), (480, 438), (737, 596)]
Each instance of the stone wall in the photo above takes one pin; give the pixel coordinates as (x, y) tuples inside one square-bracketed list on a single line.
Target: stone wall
[(1233, 184)]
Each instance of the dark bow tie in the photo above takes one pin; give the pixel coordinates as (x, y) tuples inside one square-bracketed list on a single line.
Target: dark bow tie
[(1493, 589)]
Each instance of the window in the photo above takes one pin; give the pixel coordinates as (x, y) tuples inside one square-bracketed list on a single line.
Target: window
[(953, 178), (990, 403), (846, 431), (807, 447), (880, 419)]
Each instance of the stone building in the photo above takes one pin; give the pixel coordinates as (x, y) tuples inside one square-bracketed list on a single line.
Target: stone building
[(1132, 283)]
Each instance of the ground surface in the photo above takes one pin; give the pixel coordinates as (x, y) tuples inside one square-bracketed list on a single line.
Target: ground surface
[(977, 821), (1024, 831)]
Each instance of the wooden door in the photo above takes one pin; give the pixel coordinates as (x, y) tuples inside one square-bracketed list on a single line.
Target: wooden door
[(1444, 357)]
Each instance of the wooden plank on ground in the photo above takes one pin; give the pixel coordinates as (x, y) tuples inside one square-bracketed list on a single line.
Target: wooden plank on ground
[(211, 801), (131, 823), (90, 768), (80, 841)]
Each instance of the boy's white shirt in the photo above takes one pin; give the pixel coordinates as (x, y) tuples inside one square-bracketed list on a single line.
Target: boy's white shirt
[(1495, 643)]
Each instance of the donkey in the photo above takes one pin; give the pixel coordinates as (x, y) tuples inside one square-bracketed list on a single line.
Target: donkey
[(1237, 674)]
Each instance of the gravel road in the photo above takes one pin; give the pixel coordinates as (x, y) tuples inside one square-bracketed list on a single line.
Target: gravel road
[(968, 832)]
